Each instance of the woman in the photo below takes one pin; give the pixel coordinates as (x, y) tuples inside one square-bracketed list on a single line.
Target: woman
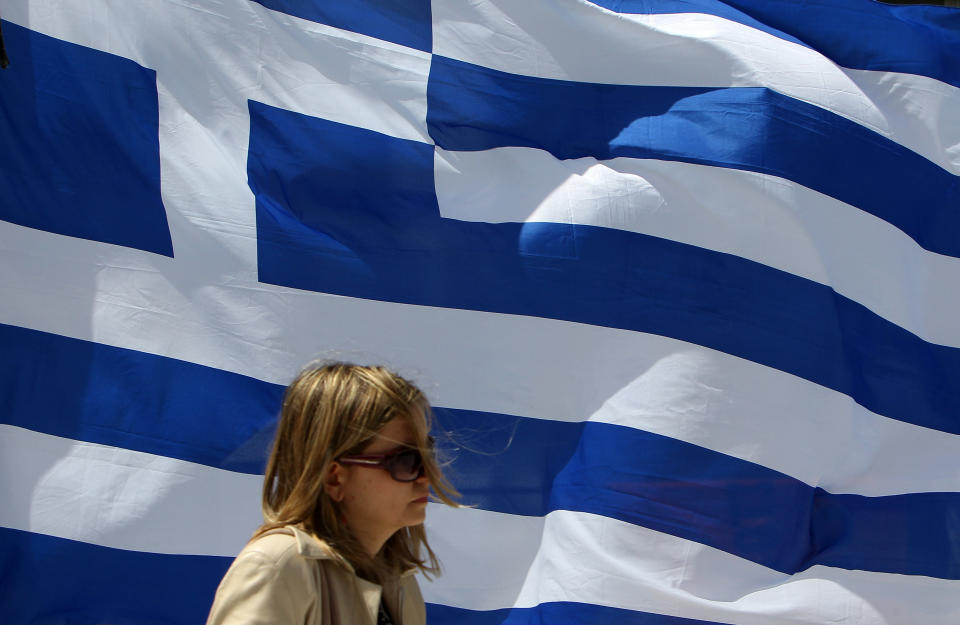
[(344, 499)]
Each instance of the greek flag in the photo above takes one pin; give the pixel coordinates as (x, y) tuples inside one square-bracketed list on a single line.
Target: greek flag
[(680, 277)]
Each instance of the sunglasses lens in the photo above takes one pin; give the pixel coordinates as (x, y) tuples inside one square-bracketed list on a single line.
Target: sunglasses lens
[(406, 466)]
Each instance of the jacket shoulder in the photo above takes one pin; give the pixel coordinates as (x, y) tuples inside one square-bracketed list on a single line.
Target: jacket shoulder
[(268, 582), (275, 546)]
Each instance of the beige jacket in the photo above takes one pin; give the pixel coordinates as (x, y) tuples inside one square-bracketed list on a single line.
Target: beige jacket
[(286, 577)]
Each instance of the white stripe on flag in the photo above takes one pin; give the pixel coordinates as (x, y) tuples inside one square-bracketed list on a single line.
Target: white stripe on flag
[(593, 559), (763, 218), (123, 499)]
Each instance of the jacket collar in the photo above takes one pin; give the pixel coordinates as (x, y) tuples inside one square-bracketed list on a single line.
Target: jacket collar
[(311, 547)]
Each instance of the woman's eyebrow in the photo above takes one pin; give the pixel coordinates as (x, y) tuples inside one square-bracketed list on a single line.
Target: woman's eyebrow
[(399, 446)]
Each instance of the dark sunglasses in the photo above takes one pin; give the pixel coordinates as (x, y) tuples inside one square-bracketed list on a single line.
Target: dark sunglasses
[(404, 465)]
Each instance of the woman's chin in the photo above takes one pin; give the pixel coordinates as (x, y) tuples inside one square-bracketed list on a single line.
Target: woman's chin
[(417, 513)]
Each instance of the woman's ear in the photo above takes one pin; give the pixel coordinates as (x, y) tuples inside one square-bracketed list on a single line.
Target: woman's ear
[(333, 484)]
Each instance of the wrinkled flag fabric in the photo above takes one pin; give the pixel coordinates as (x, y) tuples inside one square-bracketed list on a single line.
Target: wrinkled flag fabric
[(680, 278)]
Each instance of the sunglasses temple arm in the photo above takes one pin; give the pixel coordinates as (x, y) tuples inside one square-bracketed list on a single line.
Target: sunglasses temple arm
[(360, 461)]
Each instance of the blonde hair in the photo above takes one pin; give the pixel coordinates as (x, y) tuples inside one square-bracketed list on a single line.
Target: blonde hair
[(333, 410)]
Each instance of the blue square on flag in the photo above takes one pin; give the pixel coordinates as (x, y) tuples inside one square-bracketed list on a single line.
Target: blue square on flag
[(85, 124), (338, 206)]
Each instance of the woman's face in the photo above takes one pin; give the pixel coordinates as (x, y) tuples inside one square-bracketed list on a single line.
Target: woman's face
[(374, 504)]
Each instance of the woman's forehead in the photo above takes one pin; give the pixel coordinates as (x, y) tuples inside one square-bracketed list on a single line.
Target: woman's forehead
[(396, 432)]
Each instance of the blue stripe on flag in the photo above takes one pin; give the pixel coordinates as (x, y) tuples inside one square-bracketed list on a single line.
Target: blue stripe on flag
[(854, 532), (752, 511), (350, 211), (860, 34), (750, 128), (135, 400), (529, 466), (505, 463), (64, 581), (554, 612), (406, 22), (84, 124)]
